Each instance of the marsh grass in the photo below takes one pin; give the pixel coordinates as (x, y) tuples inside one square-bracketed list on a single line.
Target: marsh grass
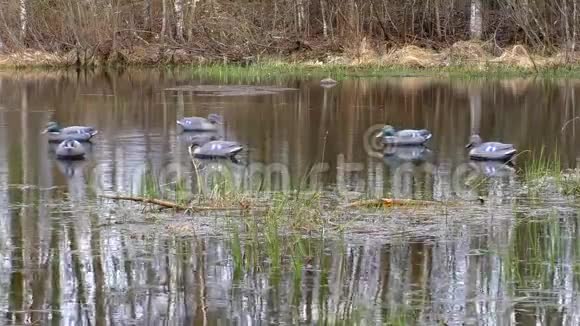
[(272, 70), (541, 172), (533, 253)]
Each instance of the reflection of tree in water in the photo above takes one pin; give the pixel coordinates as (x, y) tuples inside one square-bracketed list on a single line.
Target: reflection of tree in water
[(73, 264)]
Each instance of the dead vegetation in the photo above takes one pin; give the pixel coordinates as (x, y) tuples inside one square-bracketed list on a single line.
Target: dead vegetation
[(471, 55), (357, 32)]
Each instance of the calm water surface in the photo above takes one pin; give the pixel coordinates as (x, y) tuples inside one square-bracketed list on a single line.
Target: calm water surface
[(63, 261)]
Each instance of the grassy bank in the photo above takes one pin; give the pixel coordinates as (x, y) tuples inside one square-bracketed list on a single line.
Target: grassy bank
[(469, 59)]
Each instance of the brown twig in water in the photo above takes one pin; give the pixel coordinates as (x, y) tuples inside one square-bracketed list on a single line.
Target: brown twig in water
[(170, 204), (389, 202), (159, 202)]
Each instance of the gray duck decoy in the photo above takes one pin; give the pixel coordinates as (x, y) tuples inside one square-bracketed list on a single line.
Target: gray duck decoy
[(78, 133), (215, 149), (201, 124), (489, 151), (406, 137), (70, 149)]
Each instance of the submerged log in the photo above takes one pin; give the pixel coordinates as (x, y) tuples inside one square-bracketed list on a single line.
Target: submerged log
[(391, 202)]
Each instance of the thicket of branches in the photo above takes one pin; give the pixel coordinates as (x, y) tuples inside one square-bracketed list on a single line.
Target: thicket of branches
[(226, 28)]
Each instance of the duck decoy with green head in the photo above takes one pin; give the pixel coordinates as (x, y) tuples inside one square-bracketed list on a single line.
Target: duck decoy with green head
[(489, 151), (215, 149), (79, 133), (201, 124), (70, 149), (406, 137)]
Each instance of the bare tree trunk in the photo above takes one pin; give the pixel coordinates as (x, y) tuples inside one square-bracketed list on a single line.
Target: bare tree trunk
[(476, 20), (437, 20), (163, 20), (574, 22), (299, 14), (23, 20), (566, 23), (323, 13), (178, 5), (192, 20), (147, 15)]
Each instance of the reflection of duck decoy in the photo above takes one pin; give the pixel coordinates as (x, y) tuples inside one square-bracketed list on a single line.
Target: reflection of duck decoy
[(406, 137), (408, 153), (493, 168), (78, 133), (328, 83), (395, 156), (216, 149), (489, 151), (87, 146), (71, 169), (201, 124), (200, 138), (70, 149)]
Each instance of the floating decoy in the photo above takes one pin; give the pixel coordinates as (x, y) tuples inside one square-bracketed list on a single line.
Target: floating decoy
[(489, 151), (215, 149), (406, 137), (78, 133), (70, 149), (201, 124)]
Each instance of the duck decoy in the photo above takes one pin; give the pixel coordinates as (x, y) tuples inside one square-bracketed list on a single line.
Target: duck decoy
[(78, 133), (70, 149), (215, 149), (406, 137), (489, 151), (201, 124)]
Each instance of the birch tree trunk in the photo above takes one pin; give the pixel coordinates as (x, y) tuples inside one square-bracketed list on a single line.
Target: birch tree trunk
[(574, 21), (300, 14), (323, 13), (163, 20), (476, 20), (178, 5), (23, 20)]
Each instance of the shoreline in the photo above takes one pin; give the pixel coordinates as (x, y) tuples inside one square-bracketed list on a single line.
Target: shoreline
[(462, 58)]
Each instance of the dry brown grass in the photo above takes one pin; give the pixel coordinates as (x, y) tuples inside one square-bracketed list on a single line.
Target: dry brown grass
[(468, 54), (413, 57), (519, 57), (31, 58)]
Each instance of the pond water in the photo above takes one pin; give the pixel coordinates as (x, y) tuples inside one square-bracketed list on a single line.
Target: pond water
[(67, 257)]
